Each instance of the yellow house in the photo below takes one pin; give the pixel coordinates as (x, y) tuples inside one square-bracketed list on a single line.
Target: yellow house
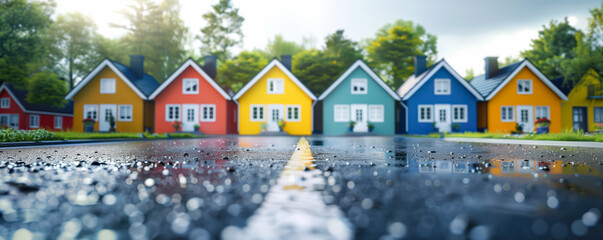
[(113, 90), (275, 94), (584, 108), (517, 94)]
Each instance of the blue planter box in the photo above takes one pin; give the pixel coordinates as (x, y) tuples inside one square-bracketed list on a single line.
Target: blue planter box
[(542, 130)]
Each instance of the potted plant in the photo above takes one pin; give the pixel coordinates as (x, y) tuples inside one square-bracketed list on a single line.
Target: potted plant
[(176, 125), (542, 125), (435, 128), (456, 127), (518, 129), (111, 122), (351, 126), (281, 124), (371, 126), (264, 127), (89, 125), (599, 128), (196, 126)]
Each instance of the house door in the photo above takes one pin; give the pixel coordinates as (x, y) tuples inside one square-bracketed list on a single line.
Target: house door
[(107, 111), (359, 115), (579, 118), (190, 117), (442, 117), (525, 117), (275, 112)]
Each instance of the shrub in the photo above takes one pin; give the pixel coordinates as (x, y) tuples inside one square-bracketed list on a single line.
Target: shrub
[(13, 135)]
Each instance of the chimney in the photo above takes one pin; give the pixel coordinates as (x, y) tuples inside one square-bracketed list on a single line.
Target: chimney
[(210, 66), (286, 61), (137, 65), (491, 66), (420, 64)]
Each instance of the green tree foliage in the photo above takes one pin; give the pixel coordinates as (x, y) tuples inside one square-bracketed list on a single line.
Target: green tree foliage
[(508, 61), (317, 69), (46, 88), (22, 24), (156, 32), (469, 74), (393, 49), (110, 48), (72, 40), (240, 70), (223, 30), (279, 46), (555, 44)]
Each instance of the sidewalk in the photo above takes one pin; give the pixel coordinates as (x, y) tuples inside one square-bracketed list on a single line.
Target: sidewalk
[(528, 142)]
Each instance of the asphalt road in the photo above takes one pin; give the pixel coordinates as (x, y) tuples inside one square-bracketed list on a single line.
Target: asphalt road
[(289, 188)]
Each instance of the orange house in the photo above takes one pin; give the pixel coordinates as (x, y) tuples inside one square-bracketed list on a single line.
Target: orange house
[(114, 93), (517, 94), (192, 98)]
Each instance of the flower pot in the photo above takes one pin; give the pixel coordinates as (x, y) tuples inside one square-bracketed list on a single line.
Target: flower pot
[(196, 129), (542, 130), (351, 129), (370, 129)]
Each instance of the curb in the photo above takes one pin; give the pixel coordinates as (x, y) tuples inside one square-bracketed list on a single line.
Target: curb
[(529, 142)]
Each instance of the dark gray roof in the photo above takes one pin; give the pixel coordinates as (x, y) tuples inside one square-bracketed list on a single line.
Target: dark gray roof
[(566, 88), (146, 84), (21, 95), (486, 86), (413, 80)]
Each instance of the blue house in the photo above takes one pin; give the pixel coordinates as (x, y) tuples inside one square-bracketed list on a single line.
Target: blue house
[(361, 97), (437, 99)]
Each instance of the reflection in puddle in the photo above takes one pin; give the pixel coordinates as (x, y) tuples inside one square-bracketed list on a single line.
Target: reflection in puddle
[(502, 167)]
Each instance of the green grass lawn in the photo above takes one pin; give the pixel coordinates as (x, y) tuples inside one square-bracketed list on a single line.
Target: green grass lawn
[(12, 135), (564, 136)]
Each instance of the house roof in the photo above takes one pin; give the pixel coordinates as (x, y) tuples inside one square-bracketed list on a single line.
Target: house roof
[(19, 95), (199, 69), (414, 83), (278, 64), (490, 87), (359, 64), (142, 86), (566, 88)]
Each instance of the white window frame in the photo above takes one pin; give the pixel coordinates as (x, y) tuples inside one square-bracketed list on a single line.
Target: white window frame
[(360, 83), (343, 117), (288, 107), (167, 112), (31, 121), (263, 115), (464, 117), (371, 113), (276, 82), (5, 103), (201, 111), (547, 111), (103, 86), (439, 83), (94, 108), (430, 107), (121, 111), (512, 112), (58, 122), (525, 81), (187, 81)]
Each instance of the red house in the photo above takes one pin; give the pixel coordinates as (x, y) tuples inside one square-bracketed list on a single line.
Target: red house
[(17, 113), (191, 97)]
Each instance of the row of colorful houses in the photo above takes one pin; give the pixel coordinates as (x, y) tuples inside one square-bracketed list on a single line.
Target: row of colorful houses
[(116, 97)]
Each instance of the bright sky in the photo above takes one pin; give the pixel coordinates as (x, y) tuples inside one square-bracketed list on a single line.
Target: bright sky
[(467, 30)]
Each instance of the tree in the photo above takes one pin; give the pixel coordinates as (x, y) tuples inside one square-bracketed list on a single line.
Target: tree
[(21, 43), (554, 45), (110, 48), (342, 50), (393, 49), (279, 46), (508, 61), (237, 72), (46, 88), (223, 30), (469, 74), (317, 69), (158, 33), (72, 36)]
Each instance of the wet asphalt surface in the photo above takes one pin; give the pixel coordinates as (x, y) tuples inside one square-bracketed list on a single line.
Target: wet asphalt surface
[(387, 187)]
